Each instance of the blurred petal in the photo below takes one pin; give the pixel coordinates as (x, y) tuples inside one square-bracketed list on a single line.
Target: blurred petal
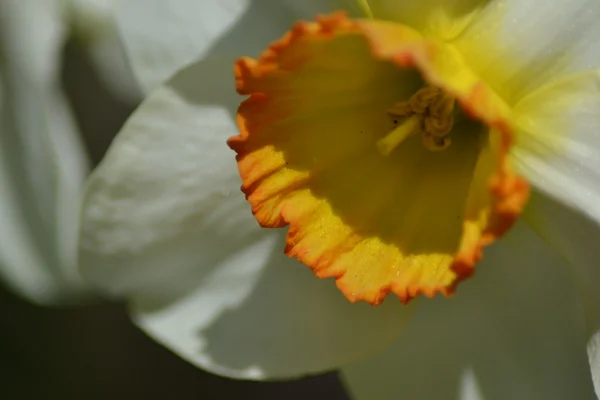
[(110, 63), (520, 45), (517, 327), (42, 162), (558, 146), (162, 37), (91, 16), (94, 23), (165, 224), (576, 238), (469, 387), (594, 355)]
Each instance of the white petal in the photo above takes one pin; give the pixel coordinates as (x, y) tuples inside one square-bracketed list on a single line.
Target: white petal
[(270, 321), (558, 145), (42, 162), (594, 356), (165, 224), (163, 36), (516, 326), (469, 387), (576, 238), (110, 63), (150, 195), (517, 45)]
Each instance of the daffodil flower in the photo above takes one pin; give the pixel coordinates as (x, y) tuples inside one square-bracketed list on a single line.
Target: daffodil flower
[(43, 164), (408, 150)]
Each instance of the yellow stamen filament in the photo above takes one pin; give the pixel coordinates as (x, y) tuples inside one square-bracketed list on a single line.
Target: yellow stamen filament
[(397, 136), (364, 6), (429, 112)]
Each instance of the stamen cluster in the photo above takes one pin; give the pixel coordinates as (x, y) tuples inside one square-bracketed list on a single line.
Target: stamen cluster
[(429, 112)]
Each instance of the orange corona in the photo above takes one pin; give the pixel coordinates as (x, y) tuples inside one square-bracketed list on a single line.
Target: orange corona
[(336, 141)]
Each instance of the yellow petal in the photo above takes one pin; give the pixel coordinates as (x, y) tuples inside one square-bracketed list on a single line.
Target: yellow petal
[(443, 19)]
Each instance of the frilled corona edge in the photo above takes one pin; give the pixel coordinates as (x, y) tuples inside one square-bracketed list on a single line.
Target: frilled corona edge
[(278, 172)]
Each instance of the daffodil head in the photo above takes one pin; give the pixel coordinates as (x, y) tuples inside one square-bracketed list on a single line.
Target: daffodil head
[(384, 152)]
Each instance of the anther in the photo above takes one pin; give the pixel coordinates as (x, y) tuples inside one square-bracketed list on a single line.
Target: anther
[(434, 143), (438, 126), (401, 109), (429, 112), (442, 106), (420, 101)]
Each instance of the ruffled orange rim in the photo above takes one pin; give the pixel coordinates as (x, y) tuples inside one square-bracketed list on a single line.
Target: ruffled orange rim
[(508, 192)]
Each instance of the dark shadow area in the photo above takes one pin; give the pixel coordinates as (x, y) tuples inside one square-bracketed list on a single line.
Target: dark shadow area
[(98, 113), (96, 353)]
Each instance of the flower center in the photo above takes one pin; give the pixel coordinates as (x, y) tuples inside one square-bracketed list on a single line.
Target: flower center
[(429, 112)]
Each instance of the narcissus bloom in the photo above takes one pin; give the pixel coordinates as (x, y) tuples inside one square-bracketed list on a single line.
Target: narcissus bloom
[(404, 151), (385, 183)]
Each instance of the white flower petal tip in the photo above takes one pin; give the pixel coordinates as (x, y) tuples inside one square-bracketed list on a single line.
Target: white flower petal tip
[(594, 356), (469, 387)]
